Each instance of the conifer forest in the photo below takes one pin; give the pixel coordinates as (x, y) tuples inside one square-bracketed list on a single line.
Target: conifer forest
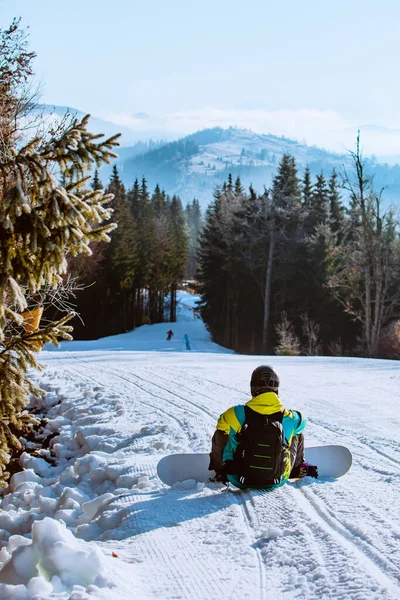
[(296, 270), (310, 266)]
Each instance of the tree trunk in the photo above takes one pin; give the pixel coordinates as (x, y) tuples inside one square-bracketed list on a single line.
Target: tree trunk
[(172, 307), (267, 294)]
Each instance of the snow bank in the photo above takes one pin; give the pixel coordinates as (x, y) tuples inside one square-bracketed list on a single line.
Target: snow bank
[(53, 561), (59, 499)]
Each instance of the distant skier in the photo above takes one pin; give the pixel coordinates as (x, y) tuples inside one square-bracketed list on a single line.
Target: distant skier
[(187, 342), (170, 335), (260, 444)]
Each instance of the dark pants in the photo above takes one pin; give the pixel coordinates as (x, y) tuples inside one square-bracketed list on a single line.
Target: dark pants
[(219, 441), (296, 450)]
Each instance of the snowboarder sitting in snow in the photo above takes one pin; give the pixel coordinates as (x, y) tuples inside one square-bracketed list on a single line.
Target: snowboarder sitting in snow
[(260, 444)]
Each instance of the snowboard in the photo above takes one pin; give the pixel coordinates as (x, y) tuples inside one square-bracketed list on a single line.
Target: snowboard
[(332, 462)]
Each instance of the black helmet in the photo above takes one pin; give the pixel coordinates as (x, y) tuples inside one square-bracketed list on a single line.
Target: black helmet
[(264, 379)]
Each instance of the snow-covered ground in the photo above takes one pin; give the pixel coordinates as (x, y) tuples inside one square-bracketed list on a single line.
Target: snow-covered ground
[(100, 524)]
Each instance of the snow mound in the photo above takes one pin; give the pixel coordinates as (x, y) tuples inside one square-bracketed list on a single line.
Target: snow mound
[(54, 561)]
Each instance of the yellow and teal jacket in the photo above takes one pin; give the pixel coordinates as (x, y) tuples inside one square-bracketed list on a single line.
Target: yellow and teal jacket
[(231, 421)]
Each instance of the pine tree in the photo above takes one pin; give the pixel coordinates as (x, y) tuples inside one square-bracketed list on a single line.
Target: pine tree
[(122, 249), (134, 199), (194, 223), (238, 187), (177, 251), (158, 280), (318, 302), (120, 261), (96, 182), (336, 209), (213, 275), (146, 240), (249, 256), (286, 185), (42, 220), (319, 210), (285, 234), (307, 189), (220, 263)]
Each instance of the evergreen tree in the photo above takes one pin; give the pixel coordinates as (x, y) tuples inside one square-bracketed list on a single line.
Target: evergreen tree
[(336, 209), (285, 237), (42, 220), (106, 302), (319, 210), (316, 263), (216, 279), (307, 189), (121, 252), (96, 183), (158, 280), (250, 253), (194, 223), (227, 266), (144, 216), (177, 251), (134, 198), (286, 186), (238, 187)]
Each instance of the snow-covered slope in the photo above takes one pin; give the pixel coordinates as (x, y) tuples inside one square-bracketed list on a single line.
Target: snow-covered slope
[(193, 166), (120, 410), (157, 155), (154, 337)]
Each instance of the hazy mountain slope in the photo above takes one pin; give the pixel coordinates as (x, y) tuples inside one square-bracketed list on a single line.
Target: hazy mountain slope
[(193, 166), (96, 125)]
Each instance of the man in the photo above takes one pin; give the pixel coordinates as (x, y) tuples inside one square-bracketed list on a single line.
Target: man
[(170, 334), (260, 444)]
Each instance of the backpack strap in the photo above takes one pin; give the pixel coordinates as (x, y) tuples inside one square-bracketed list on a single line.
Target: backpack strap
[(252, 415)]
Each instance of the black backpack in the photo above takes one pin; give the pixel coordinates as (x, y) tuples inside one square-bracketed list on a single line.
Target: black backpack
[(262, 451)]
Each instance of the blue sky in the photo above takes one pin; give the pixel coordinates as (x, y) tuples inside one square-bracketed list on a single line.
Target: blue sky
[(335, 62)]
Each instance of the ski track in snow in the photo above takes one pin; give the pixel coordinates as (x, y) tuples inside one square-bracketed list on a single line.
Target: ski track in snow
[(306, 540), (309, 540), (379, 564), (129, 503)]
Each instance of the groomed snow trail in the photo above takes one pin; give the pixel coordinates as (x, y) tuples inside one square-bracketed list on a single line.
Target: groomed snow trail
[(336, 540)]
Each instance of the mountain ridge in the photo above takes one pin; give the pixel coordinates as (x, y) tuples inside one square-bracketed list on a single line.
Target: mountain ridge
[(194, 165)]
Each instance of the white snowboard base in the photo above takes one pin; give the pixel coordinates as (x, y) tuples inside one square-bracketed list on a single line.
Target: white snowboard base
[(332, 461)]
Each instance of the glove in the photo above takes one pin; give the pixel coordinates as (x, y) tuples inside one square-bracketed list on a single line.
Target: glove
[(219, 477), (307, 470)]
